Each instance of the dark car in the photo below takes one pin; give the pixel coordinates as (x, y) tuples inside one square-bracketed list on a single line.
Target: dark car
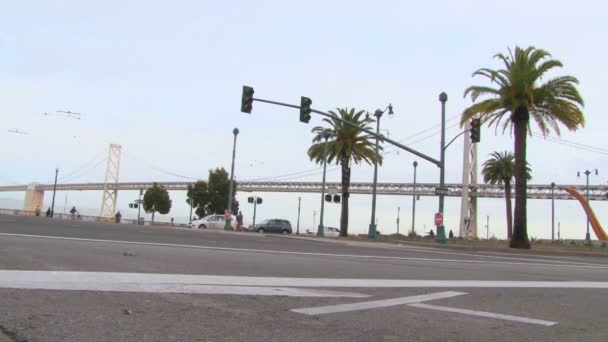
[(273, 226)]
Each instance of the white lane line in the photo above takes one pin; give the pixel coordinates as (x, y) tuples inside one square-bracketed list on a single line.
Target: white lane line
[(484, 314), (322, 310), (8, 277), (181, 288), (307, 253)]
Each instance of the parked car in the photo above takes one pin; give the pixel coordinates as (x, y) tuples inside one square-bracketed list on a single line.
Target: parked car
[(212, 222), (332, 232), (273, 226)]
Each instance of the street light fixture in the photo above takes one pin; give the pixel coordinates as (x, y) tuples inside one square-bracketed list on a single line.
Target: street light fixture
[(326, 136), (228, 225), (378, 114), (587, 173)]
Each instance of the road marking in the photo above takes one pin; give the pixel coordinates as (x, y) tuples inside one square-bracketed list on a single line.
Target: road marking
[(590, 266), (8, 277), (147, 283), (322, 310), (484, 314)]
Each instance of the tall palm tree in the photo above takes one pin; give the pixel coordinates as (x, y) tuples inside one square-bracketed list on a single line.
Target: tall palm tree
[(499, 169), (346, 145), (521, 94)]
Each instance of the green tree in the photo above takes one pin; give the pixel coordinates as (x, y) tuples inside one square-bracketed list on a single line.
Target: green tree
[(199, 194), (517, 96), (156, 199), (346, 145), (499, 169), (218, 185)]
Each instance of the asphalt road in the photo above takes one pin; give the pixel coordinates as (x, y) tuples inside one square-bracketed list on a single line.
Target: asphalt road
[(107, 282)]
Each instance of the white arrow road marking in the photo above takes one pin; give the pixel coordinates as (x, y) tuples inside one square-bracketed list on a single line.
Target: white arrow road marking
[(322, 310), (484, 314)]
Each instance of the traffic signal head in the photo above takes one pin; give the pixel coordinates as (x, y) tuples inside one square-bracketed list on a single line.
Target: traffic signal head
[(305, 103), (250, 199), (259, 200), (131, 205), (247, 99), (336, 198), (475, 130), (327, 198)]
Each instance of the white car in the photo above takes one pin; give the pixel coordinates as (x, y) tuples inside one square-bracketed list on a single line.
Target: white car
[(332, 232), (212, 222)]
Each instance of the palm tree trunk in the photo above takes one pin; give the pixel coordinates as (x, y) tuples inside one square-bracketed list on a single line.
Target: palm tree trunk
[(509, 209), (519, 239), (345, 186)]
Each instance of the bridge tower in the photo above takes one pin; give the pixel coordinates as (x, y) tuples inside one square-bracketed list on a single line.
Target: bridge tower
[(468, 211), (110, 186)]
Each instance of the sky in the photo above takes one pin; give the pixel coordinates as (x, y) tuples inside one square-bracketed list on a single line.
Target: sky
[(163, 79)]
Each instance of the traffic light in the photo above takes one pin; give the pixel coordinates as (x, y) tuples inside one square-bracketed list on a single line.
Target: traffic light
[(259, 200), (247, 99), (250, 199), (336, 198), (131, 205), (305, 103), (475, 130), (327, 198)]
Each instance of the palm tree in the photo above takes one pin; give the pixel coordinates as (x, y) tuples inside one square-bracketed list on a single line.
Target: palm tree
[(347, 144), (518, 97), (499, 169)]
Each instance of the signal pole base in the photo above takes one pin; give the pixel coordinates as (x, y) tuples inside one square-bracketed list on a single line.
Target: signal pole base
[(371, 234), (441, 235)]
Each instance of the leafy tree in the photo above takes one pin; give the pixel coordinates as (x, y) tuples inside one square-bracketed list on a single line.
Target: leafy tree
[(199, 194), (499, 169), (156, 199), (346, 145), (218, 186), (517, 97)]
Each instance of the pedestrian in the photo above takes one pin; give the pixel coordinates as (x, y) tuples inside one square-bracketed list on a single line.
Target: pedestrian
[(48, 212), (118, 216), (451, 235), (432, 233), (37, 211), (73, 212), (239, 221)]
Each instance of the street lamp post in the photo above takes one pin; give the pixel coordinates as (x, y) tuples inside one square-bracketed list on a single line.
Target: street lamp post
[(398, 214), (587, 173), (552, 211), (321, 230), (443, 98), (372, 226), (54, 191), (228, 225), (414, 201), (139, 203), (298, 227)]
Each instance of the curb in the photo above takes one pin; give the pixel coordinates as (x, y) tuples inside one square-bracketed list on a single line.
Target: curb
[(395, 244)]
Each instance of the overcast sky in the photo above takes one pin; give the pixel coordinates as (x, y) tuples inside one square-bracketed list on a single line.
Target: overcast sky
[(163, 79)]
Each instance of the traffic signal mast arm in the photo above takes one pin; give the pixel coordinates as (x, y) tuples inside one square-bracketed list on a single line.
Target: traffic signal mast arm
[(381, 137), (456, 137)]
